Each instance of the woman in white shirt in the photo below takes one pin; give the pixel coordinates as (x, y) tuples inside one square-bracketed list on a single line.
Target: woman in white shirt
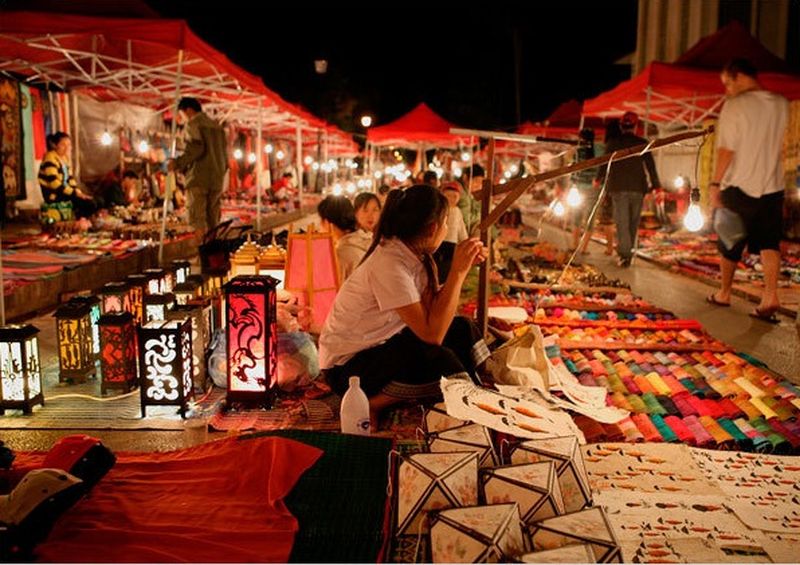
[(392, 324), (352, 247)]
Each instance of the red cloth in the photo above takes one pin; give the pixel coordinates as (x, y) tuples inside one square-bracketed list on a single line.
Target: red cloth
[(67, 451), (218, 502)]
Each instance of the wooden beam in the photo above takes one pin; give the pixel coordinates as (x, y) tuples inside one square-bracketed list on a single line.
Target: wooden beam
[(486, 239)]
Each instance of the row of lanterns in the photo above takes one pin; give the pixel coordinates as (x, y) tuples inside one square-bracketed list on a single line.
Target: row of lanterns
[(152, 331)]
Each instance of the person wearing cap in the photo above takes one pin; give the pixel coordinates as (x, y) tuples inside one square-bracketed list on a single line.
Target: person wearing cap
[(456, 229), (748, 179), (627, 184)]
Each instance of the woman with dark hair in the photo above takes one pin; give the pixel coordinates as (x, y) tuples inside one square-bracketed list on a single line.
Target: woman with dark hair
[(392, 324), (352, 247), (336, 213), (56, 180)]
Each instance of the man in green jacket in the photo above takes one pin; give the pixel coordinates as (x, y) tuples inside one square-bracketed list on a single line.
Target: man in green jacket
[(205, 162), (469, 206)]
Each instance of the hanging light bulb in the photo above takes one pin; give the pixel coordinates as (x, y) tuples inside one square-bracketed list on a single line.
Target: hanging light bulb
[(351, 188), (251, 158), (574, 197), (308, 159), (465, 156), (144, 147), (457, 171), (280, 154), (679, 182), (268, 148), (507, 174), (105, 139), (238, 154), (693, 220), (337, 189), (377, 174), (315, 166), (558, 209), (514, 169)]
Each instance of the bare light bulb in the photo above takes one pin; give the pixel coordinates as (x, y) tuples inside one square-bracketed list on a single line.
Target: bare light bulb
[(307, 160), (693, 220), (315, 166), (268, 148), (558, 209), (105, 139), (280, 154), (337, 189), (351, 188), (679, 182), (251, 158), (377, 174), (144, 147), (238, 154), (465, 156), (366, 121), (574, 197)]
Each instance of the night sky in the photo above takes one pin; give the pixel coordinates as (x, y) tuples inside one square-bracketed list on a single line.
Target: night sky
[(459, 60)]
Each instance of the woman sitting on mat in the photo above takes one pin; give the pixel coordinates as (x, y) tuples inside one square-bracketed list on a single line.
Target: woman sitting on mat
[(392, 324)]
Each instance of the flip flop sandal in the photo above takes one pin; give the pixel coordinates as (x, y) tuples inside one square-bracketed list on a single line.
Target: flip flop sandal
[(711, 299), (768, 317)]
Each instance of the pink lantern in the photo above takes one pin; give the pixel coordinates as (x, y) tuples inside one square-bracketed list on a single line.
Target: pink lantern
[(313, 271)]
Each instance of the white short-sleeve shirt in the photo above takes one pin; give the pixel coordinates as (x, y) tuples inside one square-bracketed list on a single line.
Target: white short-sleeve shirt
[(363, 314), (752, 125)]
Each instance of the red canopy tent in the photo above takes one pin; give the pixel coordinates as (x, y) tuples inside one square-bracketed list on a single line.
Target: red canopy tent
[(685, 93), (421, 126)]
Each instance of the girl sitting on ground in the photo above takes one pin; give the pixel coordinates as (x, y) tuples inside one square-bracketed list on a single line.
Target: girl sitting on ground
[(352, 247), (392, 324)]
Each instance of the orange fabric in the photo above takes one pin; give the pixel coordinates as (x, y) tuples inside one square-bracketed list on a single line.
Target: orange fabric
[(218, 502)]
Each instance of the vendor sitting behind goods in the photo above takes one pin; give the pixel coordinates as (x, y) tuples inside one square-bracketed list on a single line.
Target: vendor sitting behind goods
[(120, 192), (391, 323), (352, 247), (56, 180)]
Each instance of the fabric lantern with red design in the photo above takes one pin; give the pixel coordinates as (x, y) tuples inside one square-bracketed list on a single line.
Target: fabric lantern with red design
[(590, 526), (534, 486), (477, 534), (137, 288), (252, 338), (118, 352), (76, 360), (115, 297), (20, 368), (165, 364)]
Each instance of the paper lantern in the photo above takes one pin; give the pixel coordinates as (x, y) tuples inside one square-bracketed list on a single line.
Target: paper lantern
[(204, 304), (312, 270), (182, 269), (94, 317), (272, 262), (156, 281), (76, 359), (165, 364), (534, 486), (479, 534), (137, 289), (194, 312), (590, 526), (433, 481), (566, 454), (186, 291), (118, 352), (20, 369), (252, 338), (156, 306), (472, 437), (435, 419), (115, 297), (244, 260), (575, 553)]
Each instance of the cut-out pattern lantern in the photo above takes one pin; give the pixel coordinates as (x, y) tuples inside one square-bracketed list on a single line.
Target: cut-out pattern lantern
[(182, 270), (194, 312), (157, 305), (252, 338), (156, 281), (313, 270), (118, 353), (165, 364), (472, 437), (565, 452), (137, 288), (76, 359), (480, 534), (115, 297), (94, 316), (20, 369), (186, 291), (534, 486)]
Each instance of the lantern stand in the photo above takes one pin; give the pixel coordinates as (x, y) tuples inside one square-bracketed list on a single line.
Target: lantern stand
[(20, 369), (251, 332)]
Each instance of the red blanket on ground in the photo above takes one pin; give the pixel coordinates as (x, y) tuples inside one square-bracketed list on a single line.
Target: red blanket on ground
[(218, 502)]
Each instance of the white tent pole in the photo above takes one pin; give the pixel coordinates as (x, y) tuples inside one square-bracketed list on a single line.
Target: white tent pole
[(173, 133), (76, 135), (259, 167), (299, 161)]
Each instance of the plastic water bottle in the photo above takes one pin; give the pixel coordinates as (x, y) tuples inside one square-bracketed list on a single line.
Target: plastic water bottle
[(354, 412)]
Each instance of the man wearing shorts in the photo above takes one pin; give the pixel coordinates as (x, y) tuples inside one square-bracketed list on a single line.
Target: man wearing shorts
[(205, 162), (748, 178)]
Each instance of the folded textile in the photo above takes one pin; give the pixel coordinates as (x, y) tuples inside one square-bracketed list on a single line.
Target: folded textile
[(663, 428)]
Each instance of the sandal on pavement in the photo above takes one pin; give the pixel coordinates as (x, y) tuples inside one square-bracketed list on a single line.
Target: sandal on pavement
[(712, 299), (765, 316)]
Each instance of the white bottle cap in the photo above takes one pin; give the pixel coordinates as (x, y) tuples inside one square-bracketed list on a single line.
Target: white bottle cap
[(355, 382)]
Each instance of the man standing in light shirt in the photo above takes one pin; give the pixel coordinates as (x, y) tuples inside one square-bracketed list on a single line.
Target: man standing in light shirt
[(748, 178)]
